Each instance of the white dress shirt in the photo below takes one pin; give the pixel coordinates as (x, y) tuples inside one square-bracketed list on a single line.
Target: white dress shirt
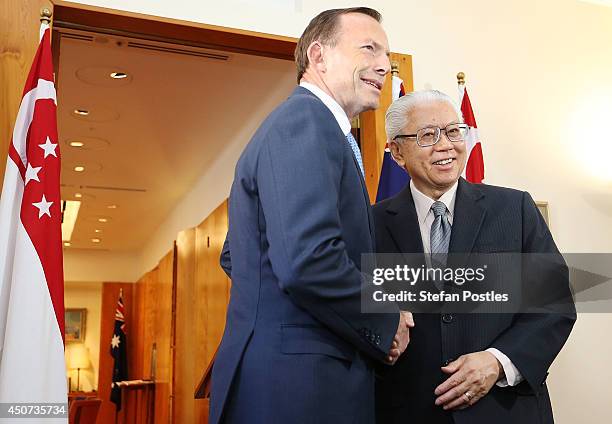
[(332, 105), (425, 216)]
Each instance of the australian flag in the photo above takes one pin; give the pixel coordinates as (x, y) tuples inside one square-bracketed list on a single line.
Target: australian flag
[(118, 351), (392, 177)]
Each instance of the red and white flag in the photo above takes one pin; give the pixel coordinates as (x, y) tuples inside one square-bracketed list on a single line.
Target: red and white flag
[(474, 169), (32, 367)]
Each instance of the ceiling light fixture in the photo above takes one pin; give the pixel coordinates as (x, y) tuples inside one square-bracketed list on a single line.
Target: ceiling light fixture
[(77, 143), (78, 195), (79, 168), (102, 219), (66, 244), (69, 217), (112, 206), (97, 230), (118, 75), (82, 112), (96, 240)]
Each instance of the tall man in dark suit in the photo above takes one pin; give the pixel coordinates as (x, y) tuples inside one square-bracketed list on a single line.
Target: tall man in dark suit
[(296, 347), (463, 368)]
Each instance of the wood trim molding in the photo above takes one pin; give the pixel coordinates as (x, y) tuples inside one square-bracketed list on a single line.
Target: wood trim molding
[(154, 28)]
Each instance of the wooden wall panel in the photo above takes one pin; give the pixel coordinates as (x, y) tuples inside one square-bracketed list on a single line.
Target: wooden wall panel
[(211, 294), (161, 303), (137, 339), (201, 315), (149, 328), (373, 134), (19, 28), (110, 294), (186, 334), (217, 293)]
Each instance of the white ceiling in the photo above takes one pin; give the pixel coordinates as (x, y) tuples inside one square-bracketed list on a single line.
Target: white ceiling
[(150, 136)]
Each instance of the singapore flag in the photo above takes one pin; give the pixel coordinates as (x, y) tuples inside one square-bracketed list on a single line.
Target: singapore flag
[(32, 367)]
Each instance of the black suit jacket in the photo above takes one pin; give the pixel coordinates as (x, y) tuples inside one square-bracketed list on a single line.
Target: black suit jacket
[(486, 219)]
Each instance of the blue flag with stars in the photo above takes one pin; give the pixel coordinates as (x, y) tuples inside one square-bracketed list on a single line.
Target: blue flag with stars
[(392, 177), (118, 351)]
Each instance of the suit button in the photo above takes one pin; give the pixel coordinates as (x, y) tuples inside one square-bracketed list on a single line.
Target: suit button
[(447, 318), (377, 340)]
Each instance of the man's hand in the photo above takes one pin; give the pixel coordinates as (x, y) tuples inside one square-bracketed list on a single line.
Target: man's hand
[(402, 337), (472, 376)]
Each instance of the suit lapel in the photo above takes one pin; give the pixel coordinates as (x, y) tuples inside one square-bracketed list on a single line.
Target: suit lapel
[(366, 197), (468, 218), (403, 223)]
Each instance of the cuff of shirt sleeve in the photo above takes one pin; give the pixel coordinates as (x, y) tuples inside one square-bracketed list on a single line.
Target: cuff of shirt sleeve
[(513, 375)]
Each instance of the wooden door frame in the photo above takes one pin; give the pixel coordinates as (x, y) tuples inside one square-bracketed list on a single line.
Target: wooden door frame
[(192, 34)]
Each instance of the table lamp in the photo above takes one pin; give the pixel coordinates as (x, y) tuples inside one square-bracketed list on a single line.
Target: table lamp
[(78, 359)]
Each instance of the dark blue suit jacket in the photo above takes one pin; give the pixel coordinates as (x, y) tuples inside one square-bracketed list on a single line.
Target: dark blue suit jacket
[(296, 347), (486, 219)]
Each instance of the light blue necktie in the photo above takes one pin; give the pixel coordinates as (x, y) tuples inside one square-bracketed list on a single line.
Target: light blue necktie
[(440, 234), (353, 143)]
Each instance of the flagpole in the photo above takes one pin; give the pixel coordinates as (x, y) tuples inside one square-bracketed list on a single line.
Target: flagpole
[(395, 69), (45, 16), (461, 78)]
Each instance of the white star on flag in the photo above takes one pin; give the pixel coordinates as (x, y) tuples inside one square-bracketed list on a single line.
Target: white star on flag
[(115, 341), (43, 207), (32, 174), (48, 147)]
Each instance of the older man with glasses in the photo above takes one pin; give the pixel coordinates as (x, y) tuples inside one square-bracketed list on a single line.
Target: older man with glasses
[(460, 367)]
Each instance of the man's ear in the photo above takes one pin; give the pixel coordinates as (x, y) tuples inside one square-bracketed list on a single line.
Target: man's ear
[(396, 154), (315, 56)]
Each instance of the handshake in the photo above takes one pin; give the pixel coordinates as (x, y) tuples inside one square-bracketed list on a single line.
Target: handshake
[(402, 337)]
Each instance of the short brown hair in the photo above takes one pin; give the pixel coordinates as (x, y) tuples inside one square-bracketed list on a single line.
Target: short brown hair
[(324, 28)]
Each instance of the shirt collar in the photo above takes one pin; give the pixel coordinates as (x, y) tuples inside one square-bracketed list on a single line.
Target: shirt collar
[(332, 105), (423, 203)]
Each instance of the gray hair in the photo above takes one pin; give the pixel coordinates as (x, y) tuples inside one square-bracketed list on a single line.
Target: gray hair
[(397, 114)]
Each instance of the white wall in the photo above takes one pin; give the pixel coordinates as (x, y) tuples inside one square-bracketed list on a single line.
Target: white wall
[(99, 265), (538, 73), (86, 295)]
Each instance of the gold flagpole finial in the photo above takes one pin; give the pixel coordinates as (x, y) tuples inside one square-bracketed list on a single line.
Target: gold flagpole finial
[(394, 69), (45, 15), (461, 78)]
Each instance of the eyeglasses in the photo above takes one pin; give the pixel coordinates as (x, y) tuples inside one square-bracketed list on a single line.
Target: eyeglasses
[(429, 136)]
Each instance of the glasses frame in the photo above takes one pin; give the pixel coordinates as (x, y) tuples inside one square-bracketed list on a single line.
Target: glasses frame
[(438, 134)]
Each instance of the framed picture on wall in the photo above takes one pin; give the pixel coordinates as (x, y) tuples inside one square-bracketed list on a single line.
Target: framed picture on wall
[(75, 324), (543, 208)]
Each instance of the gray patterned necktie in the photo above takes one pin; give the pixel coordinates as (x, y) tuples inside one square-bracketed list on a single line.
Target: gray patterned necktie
[(355, 148), (440, 234)]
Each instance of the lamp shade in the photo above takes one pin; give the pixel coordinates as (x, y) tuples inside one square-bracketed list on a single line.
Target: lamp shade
[(78, 356)]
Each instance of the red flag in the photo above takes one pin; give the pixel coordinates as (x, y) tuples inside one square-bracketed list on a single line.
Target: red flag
[(474, 170), (32, 367)]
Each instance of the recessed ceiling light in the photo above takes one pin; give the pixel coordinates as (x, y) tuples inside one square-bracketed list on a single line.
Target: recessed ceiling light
[(97, 230), (95, 240), (82, 112), (102, 219), (67, 244), (79, 168), (118, 75), (112, 206), (77, 143), (78, 195)]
